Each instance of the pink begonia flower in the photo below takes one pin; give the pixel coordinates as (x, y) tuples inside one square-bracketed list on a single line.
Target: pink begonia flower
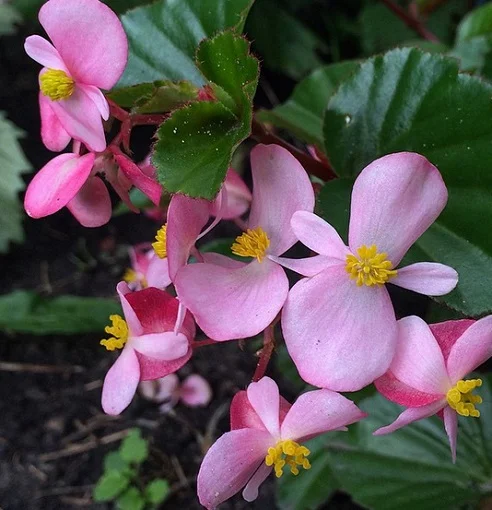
[(147, 268), (238, 198), (427, 374), (89, 53), (266, 432), (339, 324), (151, 348), (232, 299)]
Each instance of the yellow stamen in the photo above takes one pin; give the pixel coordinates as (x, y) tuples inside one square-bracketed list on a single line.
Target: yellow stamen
[(119, 330), (461, 399), (56, 84), (288, 453), (160, 243), (253, 243), (131, 276), (371, 268)]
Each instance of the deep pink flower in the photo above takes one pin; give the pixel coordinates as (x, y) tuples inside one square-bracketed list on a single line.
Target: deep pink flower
[(232, 299), (151, 349), (148, 269), (339, 324), (89, 53), (428, 370), (265, 435)]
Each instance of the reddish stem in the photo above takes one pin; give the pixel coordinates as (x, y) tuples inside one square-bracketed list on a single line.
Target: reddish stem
[(266, 352), (203, 343)]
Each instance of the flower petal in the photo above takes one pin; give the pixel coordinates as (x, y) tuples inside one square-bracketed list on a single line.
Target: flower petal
[(340, 336), (134, 326), (276, 175), (446, 333), (230, 463), (98, 98), (91, 206), (238, 197), (195, 391), (418, 360), (151, 368), (44, 53), (427, 278), (451, 426), (165, 346), (265, 399), (315, 412), (53, 134), (250, 492), (159, 390), (90, 39), (233, 303), (472, 349), (395, 199), (120, 383), (57, 183), (309, 266), (157, 274)]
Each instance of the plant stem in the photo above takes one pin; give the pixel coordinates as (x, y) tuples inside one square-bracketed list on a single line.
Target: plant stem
[(266, 352)]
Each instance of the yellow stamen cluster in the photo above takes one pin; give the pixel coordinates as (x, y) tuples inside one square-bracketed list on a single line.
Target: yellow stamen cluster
[(253, 243), (288, 453), (160, 242), (119, 330), (370, 268), (56, 84), (461, 399), (131, 276)]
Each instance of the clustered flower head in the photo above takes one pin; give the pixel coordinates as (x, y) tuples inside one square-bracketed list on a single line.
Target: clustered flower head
[(337, 320)]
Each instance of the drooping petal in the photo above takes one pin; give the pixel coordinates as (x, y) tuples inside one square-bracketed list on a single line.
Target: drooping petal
[(238, 197), (451, 426), (410, 415), (230, 463), (472, 349), (165, 346), (265, 399), (418, 361), (340, 336), (151, 368), (233, 303), (91, 206), (157, 274), (395, 199), (120, 383), (44, 53), (57, 183), (98, 98), (277, 175), (309, 266), (319, 411), (53, 134), (134, 326), (250, 492), (446, 333), (90, 39), (427, 278), (195, 391), (80, 117)]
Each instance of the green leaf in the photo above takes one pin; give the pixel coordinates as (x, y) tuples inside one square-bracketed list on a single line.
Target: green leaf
[(333, 204), (175, 29), (407, 100), (303, 112), (157, 491), (475, 23), (9, 18), (114, 462), (13, 164), (134, 448), (195, 145), (110, 485), (131, 499), (27, 312)]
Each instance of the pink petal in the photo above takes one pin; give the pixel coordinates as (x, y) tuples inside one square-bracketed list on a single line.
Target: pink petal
[(410, 415), (319, 411), (221, 260), (120, 383), (250, 492), (146, 185), (53, 134), (451, 426), (395, 199), (43, 52), (340, 336), (472, 349), (265, 399), (57, 183), (318, 235), (238, 197), (230, 463), (276, 175), (134, 326), (157, 274), (309, 266), (446, 333), (80, 117), (98, 98), (427, 278), (90, 39), (161, 389), (151, 368), (161, 346), (418, 360), (195, 391), (91, 206), (233, 303)]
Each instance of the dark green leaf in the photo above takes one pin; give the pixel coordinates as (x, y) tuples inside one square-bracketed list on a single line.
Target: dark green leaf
[(27, 312), (407, 100), (333, 205), (131, 499), (110, 485), (157, 491), (476, 23), (138, 200), (174, 29), (134, 448)]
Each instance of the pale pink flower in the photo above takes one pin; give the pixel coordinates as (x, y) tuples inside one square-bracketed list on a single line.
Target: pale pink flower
[(428, 371), (151, 348), (147, 268), (339, 324), (238, 198), (231, 299), (266, 432), (89, 53)]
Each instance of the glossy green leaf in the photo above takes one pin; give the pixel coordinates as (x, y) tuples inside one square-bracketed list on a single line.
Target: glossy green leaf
[(110, 485), (407, 100), (134, 449), (131, 499), (157, 491), (303, 112), (476, 23), (27, 312), (175, 29)]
